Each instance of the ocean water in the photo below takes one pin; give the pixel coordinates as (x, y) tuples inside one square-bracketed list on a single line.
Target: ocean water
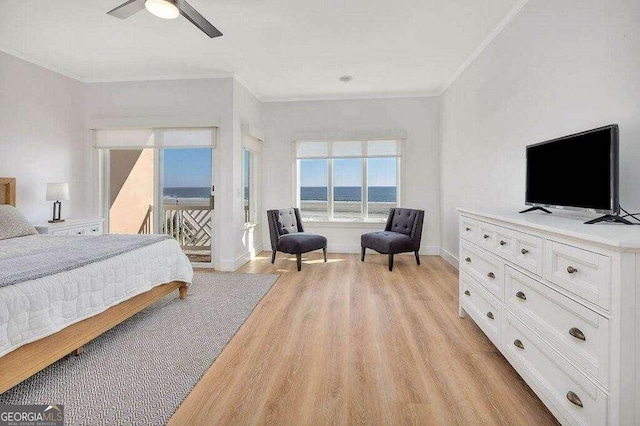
[(377, 194), (187, 192)]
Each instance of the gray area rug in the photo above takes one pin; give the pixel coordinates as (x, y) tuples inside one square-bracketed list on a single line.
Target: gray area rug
[(140, 371)]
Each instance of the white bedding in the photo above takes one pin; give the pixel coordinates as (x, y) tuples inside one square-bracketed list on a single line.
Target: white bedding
[(35, 309)]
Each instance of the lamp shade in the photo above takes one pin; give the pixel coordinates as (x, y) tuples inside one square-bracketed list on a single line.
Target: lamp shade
[(57, 191)]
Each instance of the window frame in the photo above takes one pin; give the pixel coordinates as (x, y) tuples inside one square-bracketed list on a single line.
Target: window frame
[(364, 201)]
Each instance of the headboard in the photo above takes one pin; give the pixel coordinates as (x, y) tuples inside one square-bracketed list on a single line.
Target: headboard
[(8, 191)]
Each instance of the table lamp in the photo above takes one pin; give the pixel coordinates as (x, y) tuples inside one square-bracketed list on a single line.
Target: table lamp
[(55, 193)]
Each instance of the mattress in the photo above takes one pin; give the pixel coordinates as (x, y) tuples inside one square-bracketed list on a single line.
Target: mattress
[(35, 309)]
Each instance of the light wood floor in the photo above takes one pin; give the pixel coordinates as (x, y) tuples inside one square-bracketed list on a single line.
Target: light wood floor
[(352, 343)]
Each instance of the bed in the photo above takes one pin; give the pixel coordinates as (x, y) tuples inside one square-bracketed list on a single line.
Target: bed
[(86, 290)]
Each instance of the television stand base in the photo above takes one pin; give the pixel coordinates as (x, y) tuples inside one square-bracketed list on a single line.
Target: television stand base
[(609, 218), (534, 209)]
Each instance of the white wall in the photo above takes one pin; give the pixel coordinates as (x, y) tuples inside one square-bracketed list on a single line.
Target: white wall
[(418, 117), (41, 136), (559, 67)]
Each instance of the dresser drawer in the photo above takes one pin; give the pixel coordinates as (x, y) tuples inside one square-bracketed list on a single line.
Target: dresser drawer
[(522, 249), (562, 322), (487, 237), (581, 272), (486, 269), (557, 380), (468, 228), (482, 306)]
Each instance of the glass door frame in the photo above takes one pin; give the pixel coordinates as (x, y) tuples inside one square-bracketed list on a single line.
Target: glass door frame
[(158, 181)]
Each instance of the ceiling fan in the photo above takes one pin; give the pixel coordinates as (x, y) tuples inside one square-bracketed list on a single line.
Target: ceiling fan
[(166, 9)]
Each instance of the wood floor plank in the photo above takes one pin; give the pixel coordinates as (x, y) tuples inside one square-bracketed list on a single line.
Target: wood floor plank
[(348, 342)]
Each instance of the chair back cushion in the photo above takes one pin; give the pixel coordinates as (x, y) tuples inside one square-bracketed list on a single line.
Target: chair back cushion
[(283, 222), (402, 221)]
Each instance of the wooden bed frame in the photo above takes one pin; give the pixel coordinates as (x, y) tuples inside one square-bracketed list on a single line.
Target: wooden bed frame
[(27, 360)]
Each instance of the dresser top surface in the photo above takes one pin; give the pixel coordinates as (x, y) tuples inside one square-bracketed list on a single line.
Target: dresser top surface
[(568, 224)]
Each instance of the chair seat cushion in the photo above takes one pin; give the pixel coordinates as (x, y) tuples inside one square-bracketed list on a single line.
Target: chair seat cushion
[(387, 242), (301, 242)]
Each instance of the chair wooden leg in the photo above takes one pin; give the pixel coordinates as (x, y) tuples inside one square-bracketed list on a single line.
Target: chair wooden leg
[(299, 261), (324, 252), (417, 257), (362, 257), (78, 351), (390, 262), (273, 257)]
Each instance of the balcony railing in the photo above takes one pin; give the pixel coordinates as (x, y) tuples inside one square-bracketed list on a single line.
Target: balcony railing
[(190, 225)]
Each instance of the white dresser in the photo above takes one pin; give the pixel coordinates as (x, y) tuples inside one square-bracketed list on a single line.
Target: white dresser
[(559, 298), (72, 227)]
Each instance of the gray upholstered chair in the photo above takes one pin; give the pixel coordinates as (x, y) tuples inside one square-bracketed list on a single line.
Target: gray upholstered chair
[(288, 236), (402, 234)]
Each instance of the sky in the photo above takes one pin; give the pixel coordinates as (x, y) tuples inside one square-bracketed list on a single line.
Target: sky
[(348, 172), (187, 168), (192, 168)]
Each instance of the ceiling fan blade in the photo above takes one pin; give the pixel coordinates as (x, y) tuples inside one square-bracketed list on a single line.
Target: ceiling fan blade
[(196, 19), (127, 9)]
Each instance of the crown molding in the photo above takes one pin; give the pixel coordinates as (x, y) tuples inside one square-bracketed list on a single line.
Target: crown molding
[(41, 64), (515, 9), (248, 87), (352, 96), (205, 76)]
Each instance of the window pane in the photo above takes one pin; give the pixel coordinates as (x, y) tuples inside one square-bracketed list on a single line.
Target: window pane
[(247, 185), (313, 189), (382, 186), (347, 189)]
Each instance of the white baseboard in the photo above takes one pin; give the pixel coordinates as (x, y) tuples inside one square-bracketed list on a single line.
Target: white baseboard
[(234, 265), (449, 258)]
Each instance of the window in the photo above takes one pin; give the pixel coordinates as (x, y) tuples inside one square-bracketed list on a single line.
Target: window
[(251, 148), (348, 180)]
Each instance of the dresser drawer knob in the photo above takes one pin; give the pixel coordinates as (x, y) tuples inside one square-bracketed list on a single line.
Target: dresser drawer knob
[(518, 344), (571, 270), (491, 275), (490, 315), (468, 259), (467, 229), (467, 292), (485, 236), (521, 295), (524, 251), (577, 333), (503, 243), (574, 399)]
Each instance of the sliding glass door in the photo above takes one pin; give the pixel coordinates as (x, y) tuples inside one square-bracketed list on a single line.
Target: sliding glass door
[(163, 191), (187, 200)]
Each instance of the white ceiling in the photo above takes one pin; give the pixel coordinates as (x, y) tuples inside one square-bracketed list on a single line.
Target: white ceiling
[(280, 49)]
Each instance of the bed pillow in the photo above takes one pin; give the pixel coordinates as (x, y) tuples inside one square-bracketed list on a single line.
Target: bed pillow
[(13, 224)]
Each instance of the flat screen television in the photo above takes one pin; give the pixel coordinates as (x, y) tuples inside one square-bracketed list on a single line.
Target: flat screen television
[(577, 172)]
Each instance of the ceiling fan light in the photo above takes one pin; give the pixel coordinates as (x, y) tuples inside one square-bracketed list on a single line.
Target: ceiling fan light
[(165, 9)]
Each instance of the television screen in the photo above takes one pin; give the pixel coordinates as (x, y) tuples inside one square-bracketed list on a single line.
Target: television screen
[(579, 171)]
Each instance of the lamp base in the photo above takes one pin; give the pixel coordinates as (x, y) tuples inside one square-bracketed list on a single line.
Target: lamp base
[(56, 221)]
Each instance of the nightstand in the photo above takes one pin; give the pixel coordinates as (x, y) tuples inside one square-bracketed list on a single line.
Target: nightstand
[(72, 227)]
